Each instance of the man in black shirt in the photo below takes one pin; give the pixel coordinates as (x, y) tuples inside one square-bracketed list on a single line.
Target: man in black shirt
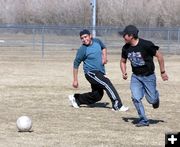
[(143, 80)]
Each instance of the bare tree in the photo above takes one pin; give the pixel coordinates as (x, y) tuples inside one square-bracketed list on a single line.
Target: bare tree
[(78, 12)]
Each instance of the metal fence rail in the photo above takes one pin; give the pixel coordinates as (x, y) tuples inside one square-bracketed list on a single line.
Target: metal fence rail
[(44, 40)]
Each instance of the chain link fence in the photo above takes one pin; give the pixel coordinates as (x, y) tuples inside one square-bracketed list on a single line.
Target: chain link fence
[(42, 41)]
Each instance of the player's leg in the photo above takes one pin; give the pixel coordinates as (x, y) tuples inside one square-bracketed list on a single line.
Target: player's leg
[(137, 92), (151, 93), (90, 97), (105, 83), (87, 98)]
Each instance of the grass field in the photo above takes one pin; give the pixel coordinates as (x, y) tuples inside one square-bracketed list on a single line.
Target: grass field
[(30, 85)]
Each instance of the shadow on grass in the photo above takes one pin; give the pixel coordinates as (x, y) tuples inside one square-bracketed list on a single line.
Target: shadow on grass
[(31, 131), (98, 105), (134, 120)]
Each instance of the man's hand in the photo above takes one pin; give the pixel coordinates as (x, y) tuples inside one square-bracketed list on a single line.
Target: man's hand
[(123, 68), (125, 76), (104, 56), (164, 76), (75, 84), (160, 58), (104, 61), (75, 78)]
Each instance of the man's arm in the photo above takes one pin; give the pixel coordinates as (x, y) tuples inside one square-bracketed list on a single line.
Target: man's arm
[(123, 68), (77, 61), (75, 78), (104, 56), (160, 59)]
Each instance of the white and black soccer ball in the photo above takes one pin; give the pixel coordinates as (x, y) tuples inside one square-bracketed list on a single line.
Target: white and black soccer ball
[(24, 124)]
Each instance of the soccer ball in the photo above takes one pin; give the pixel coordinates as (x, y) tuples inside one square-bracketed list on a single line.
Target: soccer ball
[(24, 124)]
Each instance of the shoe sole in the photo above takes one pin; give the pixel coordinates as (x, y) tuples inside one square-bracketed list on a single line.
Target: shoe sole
[(119, 110)]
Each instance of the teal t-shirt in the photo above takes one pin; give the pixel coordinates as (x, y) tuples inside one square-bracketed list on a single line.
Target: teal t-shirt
[(91, 56)]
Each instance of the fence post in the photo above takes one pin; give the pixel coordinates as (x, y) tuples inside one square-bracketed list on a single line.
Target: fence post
[(33, 39), (168, 40), (179, 35), (42, 37)]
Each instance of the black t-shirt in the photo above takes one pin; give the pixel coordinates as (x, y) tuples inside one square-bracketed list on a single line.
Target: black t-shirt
[(141, 57)]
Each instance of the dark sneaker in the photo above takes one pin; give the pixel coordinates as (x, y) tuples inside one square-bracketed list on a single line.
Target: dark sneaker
[(142, 123), (156, 105)]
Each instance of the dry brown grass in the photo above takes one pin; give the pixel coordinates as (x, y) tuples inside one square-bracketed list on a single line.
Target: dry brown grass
[(39, 88)]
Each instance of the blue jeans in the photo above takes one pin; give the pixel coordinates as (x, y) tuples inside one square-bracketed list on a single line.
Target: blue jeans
[(140, 86)]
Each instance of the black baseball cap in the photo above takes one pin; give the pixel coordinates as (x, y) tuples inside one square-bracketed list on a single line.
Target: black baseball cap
[(84, 32), (130, 30)]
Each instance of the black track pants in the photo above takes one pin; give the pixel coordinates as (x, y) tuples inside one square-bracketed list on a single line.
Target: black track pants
[(99, 83)]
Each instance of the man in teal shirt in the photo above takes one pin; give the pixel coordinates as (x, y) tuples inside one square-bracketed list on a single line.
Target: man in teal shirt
[(93, 53)]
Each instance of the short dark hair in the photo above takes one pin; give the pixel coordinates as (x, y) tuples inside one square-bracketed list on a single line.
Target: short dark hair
[(130, 30), (85, 31)]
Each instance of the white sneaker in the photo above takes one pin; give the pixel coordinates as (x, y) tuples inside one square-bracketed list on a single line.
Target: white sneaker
[(122, 109), (72, 101)]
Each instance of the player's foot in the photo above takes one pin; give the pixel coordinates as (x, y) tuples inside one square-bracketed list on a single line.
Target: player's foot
[(156, 105), (72, 101), (122, 109), (142, 123)]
